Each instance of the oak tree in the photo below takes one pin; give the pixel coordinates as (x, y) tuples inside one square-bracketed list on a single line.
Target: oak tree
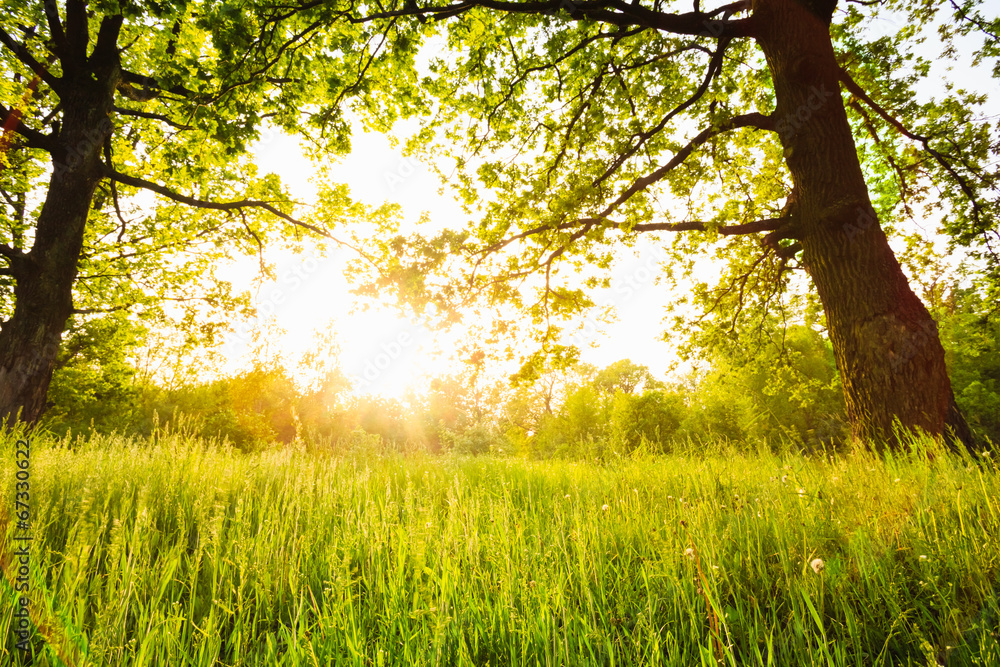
[(792, 135), (127, 171)]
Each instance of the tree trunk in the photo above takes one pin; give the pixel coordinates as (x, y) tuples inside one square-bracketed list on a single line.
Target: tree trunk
[(44, 277), (886, 344)]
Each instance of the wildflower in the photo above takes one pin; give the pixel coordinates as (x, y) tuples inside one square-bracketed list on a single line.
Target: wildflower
[(802, 491), (923, 556), (689, 553), (567, 496), (817, 565), (427, 525), (605, 507), (896, 480)]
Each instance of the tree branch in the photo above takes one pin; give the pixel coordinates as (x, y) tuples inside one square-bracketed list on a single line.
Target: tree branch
[(149, 82), (77, 32), (9, 252), (55, 27), (939, 157), (172, 195), (757, 120), (35, 139), (614, 12), (101, 311), (22, 54), (714, 67), (15, 258), (151, 116)]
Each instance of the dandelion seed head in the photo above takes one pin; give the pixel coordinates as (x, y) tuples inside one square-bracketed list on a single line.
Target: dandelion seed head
[(605, 507), (689, 553), (817, 565)]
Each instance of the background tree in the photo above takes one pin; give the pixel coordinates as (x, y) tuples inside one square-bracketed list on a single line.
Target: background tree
[(799, 141)]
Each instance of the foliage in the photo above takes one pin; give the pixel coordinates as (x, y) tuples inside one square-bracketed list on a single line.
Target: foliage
[(96, 381), (176, 551), (972, 339), (571, 130), (785, 387)]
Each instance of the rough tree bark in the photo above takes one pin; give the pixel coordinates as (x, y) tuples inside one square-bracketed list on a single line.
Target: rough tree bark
[(44, 276), (885, 341)]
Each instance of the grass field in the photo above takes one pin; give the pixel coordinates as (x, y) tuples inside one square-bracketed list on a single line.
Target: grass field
[(173, 552)]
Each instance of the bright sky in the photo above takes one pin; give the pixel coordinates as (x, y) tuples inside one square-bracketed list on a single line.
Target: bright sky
[(383, 350)]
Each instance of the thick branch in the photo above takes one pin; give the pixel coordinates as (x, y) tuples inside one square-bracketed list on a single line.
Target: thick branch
[(614, 12), (21, 53), (77, 32), (55, 27), (15, 259), (754, 227), (102, 311), (10, 254), (151, 83), (35, 139)]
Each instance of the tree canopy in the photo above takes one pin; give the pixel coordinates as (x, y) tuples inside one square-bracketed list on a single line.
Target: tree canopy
[(788, 136)]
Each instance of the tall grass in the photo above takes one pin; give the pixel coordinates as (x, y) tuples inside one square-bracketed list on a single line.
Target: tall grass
[(178, 552)]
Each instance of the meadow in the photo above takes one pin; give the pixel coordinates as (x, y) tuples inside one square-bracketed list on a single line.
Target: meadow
[(177, 551)]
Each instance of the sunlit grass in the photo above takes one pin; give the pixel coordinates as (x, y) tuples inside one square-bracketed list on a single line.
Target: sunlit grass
[(174, 552)]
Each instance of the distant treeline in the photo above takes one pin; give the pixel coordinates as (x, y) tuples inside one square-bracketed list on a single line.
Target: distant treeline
[(783, 389)]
